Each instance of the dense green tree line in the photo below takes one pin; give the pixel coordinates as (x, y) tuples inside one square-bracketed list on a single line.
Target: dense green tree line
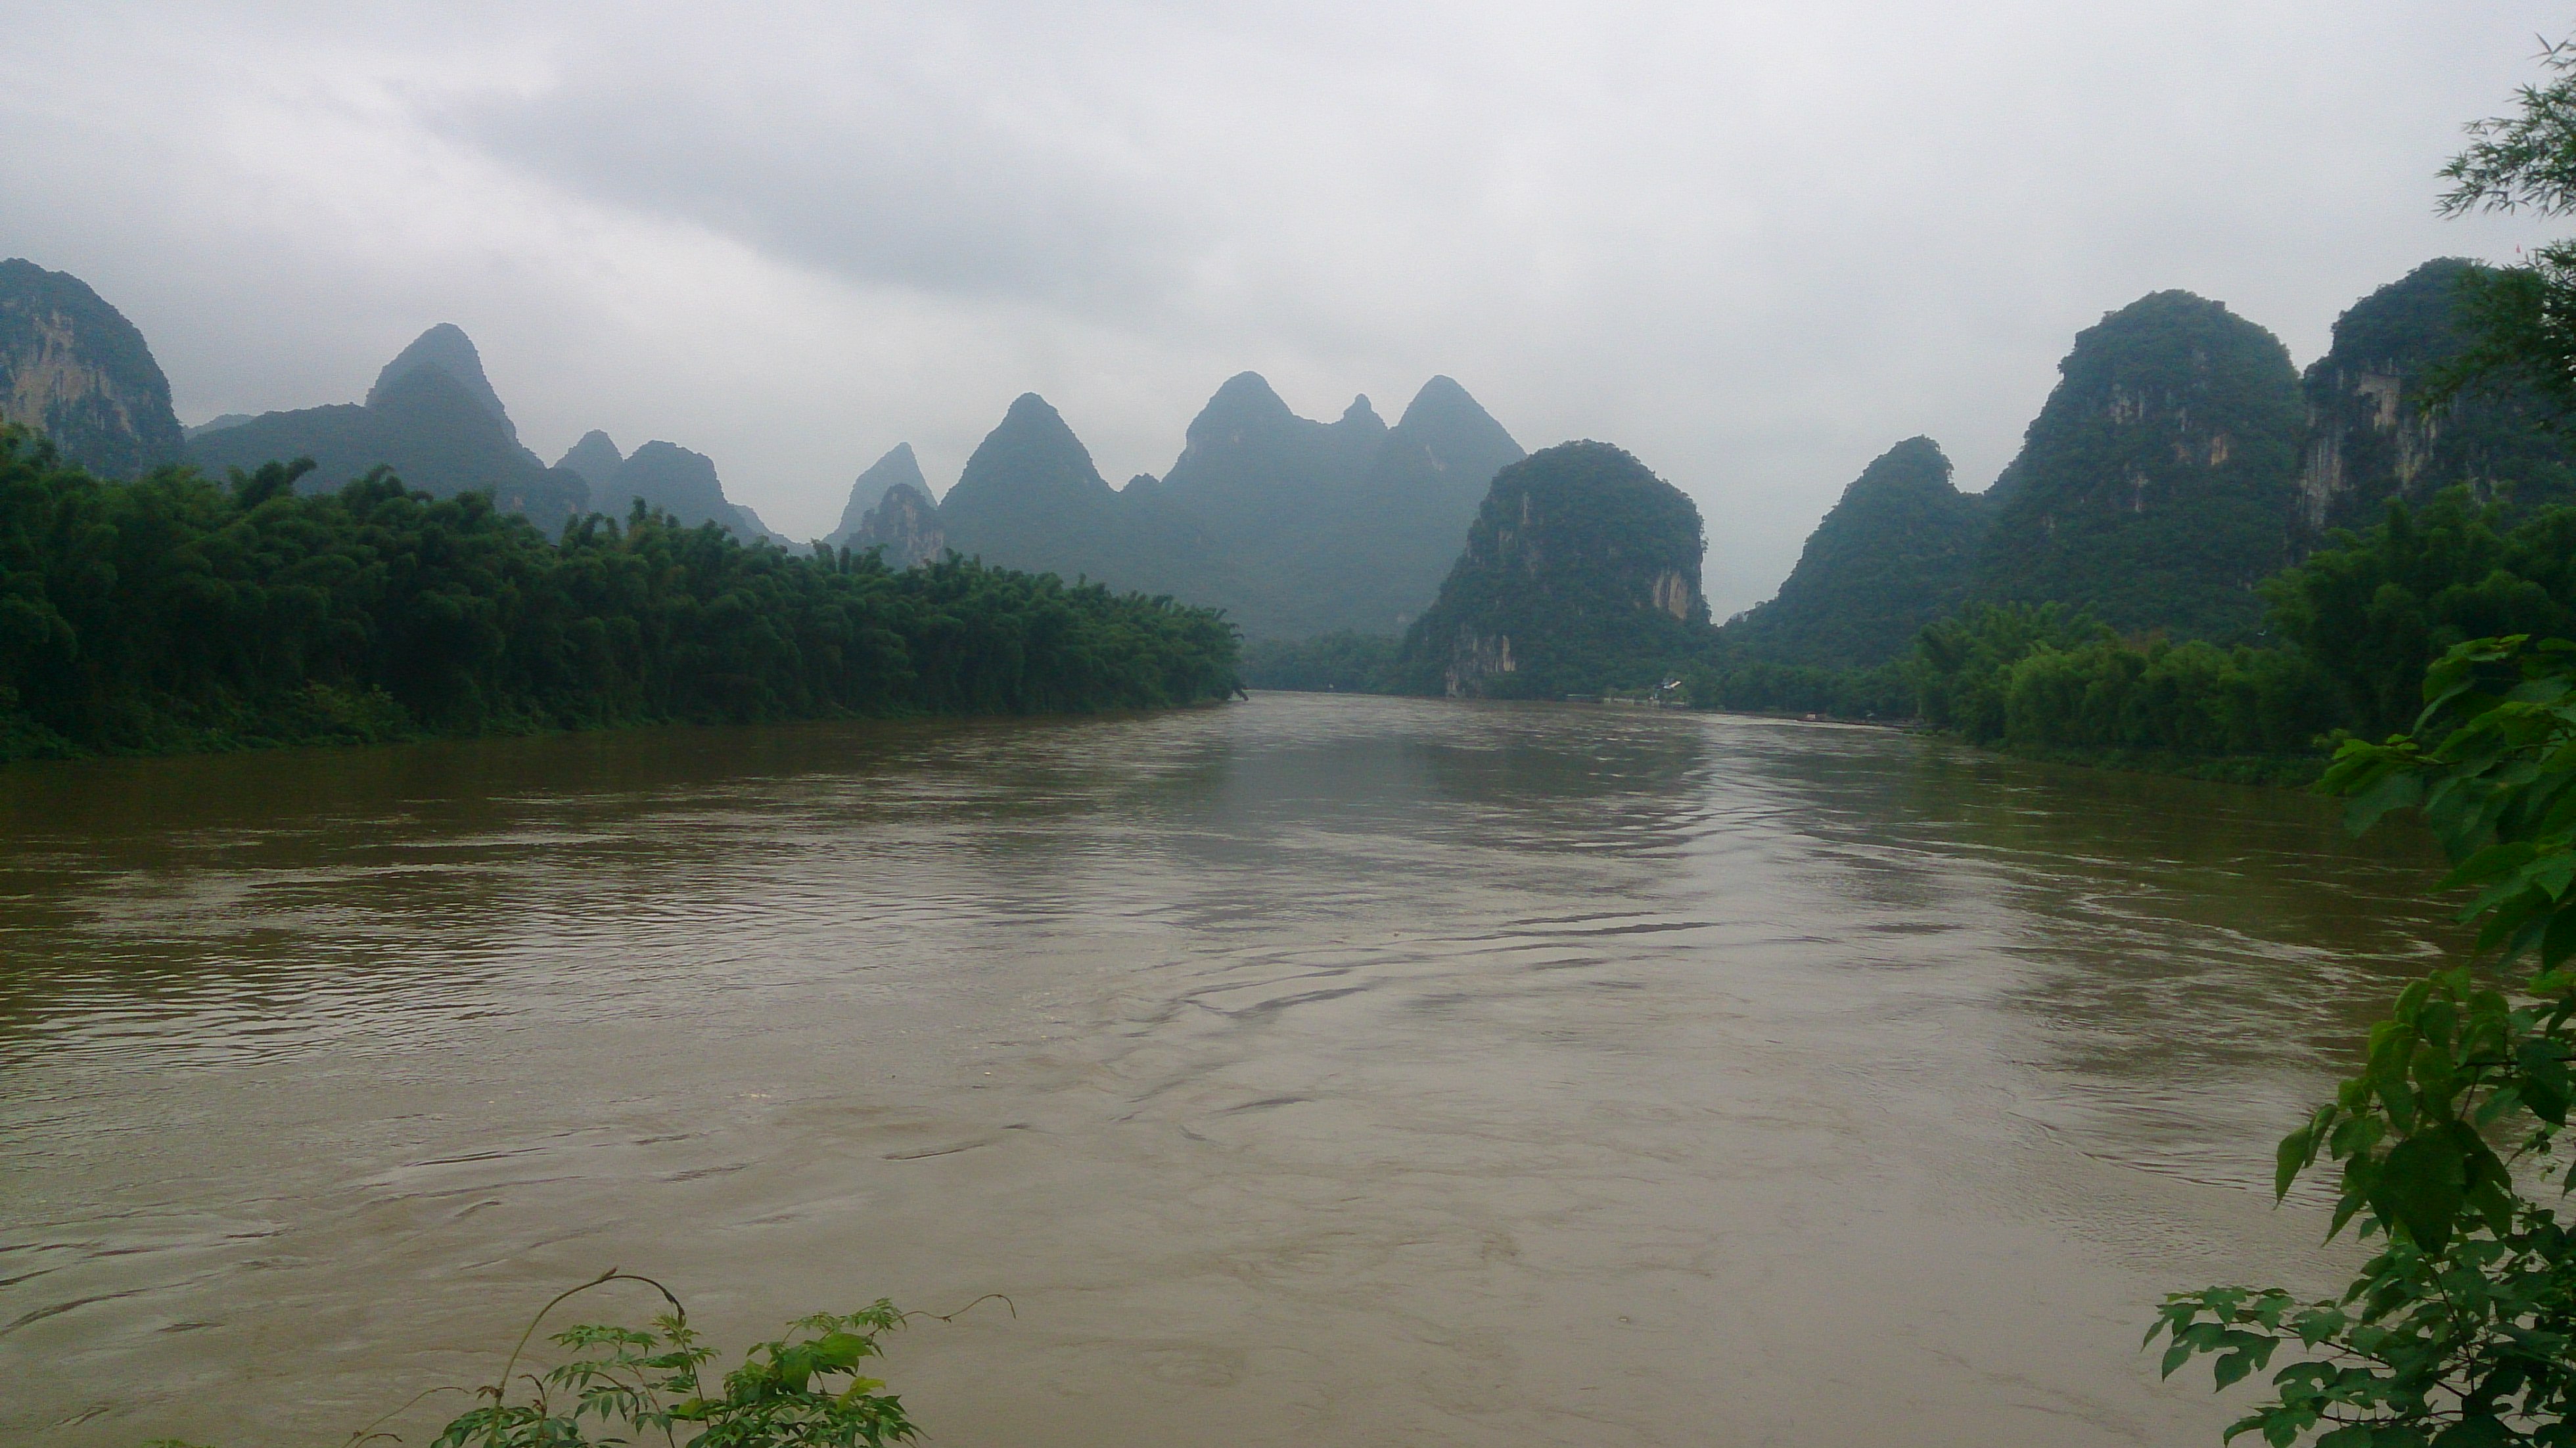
[(175, 613), (1734, 680), (1343, 662), (2357, 624)]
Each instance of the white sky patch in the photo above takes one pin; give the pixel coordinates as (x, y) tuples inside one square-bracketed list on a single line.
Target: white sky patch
[(1754, 243)]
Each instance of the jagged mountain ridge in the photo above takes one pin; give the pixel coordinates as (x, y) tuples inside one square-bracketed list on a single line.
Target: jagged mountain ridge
[(1295, 527), (431, 416), (75, 370)]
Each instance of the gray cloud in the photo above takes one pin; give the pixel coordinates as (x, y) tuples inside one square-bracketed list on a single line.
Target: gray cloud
[(1755, 243)]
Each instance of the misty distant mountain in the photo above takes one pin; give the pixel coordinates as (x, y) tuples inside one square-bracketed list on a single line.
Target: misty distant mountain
[(445, 348), (216, 424), (679, 482), (74, 369), (431, 417), (595, 458), (1295, 527), (891, 510), (1031, 498)]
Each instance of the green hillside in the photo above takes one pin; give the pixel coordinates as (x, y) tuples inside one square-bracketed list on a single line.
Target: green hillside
[(1581, 573), (2370, 439), (2155, 488), (1898, 551)]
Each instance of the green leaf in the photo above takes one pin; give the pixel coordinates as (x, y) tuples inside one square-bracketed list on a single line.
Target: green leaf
[(2488, 863), (2421, 1185), (2293, 1154), (2231, 1369), (2393, 792)]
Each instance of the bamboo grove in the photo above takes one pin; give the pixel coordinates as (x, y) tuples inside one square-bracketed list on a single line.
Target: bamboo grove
[(174, 612)]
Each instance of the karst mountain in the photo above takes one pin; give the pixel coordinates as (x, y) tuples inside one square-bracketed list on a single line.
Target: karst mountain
[(75, 370), (1581, 573)]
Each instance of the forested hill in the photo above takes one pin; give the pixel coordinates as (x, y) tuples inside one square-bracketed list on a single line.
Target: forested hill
[(2177, 464), (1581, 574), (73, 368), (2154, 488), (1897, 552), (2369, 440), (175, 613)]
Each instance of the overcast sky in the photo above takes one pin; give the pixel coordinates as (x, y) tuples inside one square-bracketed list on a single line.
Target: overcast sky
[(1753, 243)]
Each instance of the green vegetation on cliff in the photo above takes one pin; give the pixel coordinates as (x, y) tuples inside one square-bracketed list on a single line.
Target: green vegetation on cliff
[(1895, 553), (172, 613), (2358, 623), (2381, 427), (2154, 488), (1581, 574)]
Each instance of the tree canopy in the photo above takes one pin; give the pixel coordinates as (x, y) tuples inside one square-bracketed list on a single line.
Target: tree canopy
[(173, 612)]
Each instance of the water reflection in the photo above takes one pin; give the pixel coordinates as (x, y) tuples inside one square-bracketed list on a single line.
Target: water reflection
[(1364, 1070)]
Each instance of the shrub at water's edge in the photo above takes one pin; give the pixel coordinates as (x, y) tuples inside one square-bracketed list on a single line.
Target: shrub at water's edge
[(172, 613)]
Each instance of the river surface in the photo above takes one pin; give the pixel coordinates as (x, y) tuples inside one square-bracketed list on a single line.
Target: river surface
[(1317, 1070)]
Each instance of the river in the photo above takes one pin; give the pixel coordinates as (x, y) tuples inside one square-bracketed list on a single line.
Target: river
[(1317, 1070)]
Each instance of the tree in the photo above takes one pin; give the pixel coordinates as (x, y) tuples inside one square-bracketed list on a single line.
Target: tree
[(2461, 1329), (2522, 319)]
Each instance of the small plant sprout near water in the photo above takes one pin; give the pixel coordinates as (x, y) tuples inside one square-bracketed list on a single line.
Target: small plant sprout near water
[(643, 1385)]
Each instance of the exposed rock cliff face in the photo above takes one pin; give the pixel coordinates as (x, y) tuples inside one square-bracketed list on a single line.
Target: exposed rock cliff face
[(1896, 553), (1581, 572), (2369, 438), (431, 417), (890, 509), (74, 369), (2157, 485)]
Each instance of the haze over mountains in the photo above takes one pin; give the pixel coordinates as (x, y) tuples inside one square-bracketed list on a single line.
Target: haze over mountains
[(1295, 527), (2179, 461)]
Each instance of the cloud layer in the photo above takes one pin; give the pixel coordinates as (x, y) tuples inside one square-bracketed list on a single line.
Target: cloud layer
[(1755, 243)]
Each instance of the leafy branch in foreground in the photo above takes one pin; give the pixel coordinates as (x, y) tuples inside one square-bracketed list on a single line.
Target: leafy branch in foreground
[(2522, 318), (2461, 1330)]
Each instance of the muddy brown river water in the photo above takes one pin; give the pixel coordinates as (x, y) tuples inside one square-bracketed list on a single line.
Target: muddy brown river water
[(1316, 1070)]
